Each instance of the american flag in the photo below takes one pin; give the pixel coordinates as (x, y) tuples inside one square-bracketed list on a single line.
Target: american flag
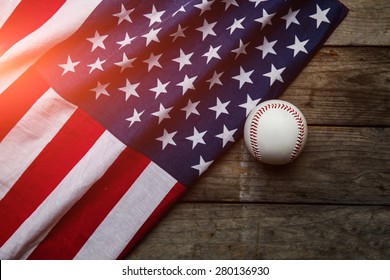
[(110, 109)]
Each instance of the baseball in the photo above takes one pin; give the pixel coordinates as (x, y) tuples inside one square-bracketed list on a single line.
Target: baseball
[(275, 132)]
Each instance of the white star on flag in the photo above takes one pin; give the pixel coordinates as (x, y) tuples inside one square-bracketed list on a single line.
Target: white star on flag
[(162, 113), (97, 41), (216, 79), (181, 9), (126, 41), (69, 66), (212, 53), (226, 135), (96, 65), (228, 3), (275, 74), (220, 108), (204, 6), (257, 2), (179, 33), (135, 118), (207, 29), (154, 16), (183, 59), (267, 47), (167, 139), (320, 16), (129, 89), (291, 17), (100, 89), (298, 46), (244, 77), (197, 138), (125, 63), (265, 19), (152, 61), (123, 15), (250, 104), (241, 49), (202, 166), (187, 83), (160, 88), (237, 24), (152, 36), (191, 108)]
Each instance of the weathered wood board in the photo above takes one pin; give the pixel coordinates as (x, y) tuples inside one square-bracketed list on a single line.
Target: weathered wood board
[(339, 165), (367, 24), (253, 231), (344, 86)]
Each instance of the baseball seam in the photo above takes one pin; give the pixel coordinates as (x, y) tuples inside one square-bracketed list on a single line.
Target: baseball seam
[(255, 123)]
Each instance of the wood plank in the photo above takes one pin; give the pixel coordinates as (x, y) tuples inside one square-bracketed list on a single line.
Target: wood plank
[(255, 231), (344, 86), (367, 23), (347, 165)]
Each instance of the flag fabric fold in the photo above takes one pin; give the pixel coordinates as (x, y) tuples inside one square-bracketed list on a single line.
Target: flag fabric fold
[(111, 109)]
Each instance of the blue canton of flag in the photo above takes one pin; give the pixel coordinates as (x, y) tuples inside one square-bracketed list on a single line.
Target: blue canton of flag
[(175, 80)]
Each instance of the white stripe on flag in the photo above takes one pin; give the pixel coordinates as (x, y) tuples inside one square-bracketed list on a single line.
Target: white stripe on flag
[(30, 135), (85, 173), (6, 9), (62, 25), (130, 213)]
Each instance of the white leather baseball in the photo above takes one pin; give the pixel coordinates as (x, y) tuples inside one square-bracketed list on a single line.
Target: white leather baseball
[(275, 132)]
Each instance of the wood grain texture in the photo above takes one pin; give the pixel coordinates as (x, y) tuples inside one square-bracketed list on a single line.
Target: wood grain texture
[(367, 24), (253, 231), (344, 86), (339, 165)]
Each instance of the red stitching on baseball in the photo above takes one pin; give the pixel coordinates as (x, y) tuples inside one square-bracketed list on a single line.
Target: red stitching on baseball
[(300, 137), (255, 122), (253, 133)]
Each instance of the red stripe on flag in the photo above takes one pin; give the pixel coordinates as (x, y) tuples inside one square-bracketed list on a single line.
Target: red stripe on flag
[(27, 17), (174, 194), (46, 171), (74, 229), (16, 100)]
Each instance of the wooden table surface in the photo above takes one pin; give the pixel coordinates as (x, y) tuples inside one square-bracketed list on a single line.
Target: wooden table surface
[(333, 202)]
